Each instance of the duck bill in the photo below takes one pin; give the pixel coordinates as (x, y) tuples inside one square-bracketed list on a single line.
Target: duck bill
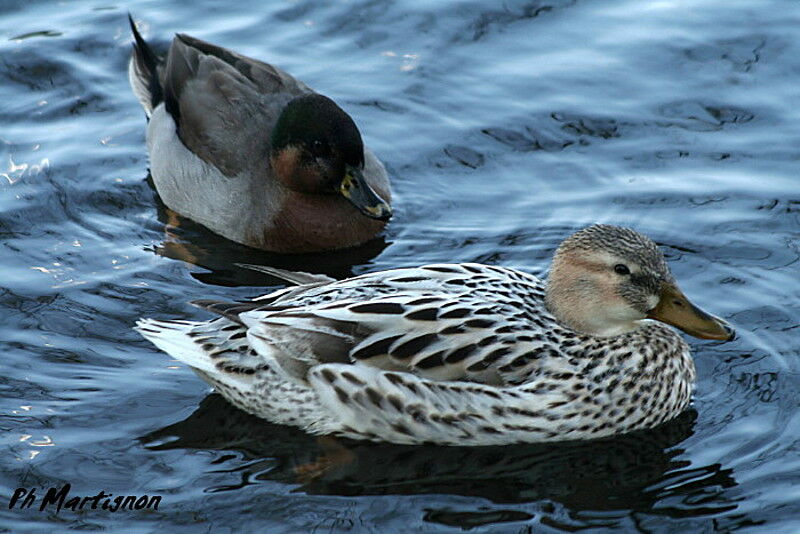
[(355, 188), (675, 309)]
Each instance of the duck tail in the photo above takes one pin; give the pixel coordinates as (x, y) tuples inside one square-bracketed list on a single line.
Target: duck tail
[(143, 72), (217, 349), (176, 338)]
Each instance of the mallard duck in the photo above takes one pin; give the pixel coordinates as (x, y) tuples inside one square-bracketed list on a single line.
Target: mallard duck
[(253, 154), (460, 354)]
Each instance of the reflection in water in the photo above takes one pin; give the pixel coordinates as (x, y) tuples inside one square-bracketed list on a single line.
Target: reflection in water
[(638, 472), (193, 243)]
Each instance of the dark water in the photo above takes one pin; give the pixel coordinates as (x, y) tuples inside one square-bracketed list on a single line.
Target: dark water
[(505, 127)]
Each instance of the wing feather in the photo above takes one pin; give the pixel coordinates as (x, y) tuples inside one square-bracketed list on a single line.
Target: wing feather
[(295, 277), (436, 322)]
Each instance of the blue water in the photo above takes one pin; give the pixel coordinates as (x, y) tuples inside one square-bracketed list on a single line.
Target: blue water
[(504, 127)]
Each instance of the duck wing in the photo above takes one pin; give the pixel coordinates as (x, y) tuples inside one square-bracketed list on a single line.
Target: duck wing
[(440, 322), (293, 277), (224, 104)]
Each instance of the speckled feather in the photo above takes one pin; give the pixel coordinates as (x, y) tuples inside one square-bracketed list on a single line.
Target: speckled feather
[(463, 354)]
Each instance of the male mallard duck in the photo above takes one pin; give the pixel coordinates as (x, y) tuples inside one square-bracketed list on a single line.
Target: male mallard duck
[(460, 354), (253, 154)]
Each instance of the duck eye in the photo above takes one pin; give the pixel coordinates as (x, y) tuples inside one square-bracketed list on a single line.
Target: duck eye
[(621, 269), (318, 146)]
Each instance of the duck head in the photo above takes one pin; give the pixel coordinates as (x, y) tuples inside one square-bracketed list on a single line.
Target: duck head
[(317, 149), (606, 279)]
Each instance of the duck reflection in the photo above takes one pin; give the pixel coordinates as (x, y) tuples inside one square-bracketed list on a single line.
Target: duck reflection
[(636, 471), (219, 256)]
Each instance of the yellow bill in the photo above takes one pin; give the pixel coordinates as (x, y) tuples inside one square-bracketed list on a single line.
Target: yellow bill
[(675, 309), (356, 189)]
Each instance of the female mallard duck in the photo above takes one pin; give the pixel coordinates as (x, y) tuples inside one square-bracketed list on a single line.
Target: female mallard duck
[(253, 154), (460, 354)]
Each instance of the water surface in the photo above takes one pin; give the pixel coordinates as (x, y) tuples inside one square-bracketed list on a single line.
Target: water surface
[(505, 127)]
